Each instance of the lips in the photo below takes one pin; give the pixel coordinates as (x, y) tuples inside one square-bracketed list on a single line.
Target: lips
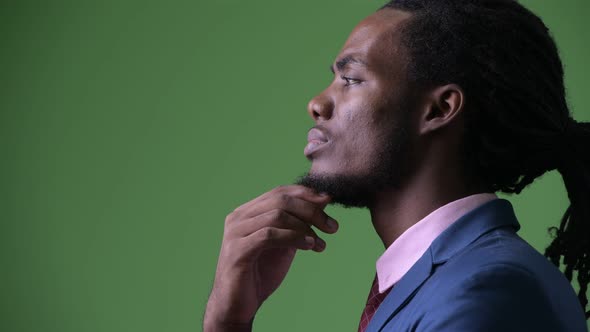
[(316, 140), (316, 135)]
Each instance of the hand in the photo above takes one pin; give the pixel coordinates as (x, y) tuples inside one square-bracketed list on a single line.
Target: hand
[(259, 244)]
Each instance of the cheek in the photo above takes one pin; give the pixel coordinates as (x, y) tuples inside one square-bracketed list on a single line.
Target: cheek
[(362, 140), (362, 123), (363, 108)]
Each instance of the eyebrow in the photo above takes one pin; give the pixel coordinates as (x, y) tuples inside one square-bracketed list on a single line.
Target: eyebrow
[(342, 63)]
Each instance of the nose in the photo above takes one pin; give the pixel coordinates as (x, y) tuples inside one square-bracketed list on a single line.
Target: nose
[(320, 107)]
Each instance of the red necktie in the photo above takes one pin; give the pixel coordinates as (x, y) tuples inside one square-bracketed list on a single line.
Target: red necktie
[(373, 301)]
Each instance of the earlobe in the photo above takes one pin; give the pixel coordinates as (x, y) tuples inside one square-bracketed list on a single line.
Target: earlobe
[(445, 103)]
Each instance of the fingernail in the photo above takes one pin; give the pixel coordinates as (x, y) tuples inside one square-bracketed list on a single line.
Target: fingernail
[(309, 240), (320, 243), (331, 223)]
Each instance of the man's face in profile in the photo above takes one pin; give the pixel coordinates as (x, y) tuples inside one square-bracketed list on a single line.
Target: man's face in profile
[(361, 141)]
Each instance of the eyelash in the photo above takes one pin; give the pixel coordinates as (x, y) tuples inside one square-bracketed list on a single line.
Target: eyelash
[(348, 80)]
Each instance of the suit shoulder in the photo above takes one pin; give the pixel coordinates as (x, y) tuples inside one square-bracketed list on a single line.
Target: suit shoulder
[(500, 273), (503, 248)]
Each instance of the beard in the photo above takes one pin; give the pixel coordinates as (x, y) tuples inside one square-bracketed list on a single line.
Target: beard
[(386, 171)]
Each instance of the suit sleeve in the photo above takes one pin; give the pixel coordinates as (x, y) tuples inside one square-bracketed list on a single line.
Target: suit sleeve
[(500, 297)]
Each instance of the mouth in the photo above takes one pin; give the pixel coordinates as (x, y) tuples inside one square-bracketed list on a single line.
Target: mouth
[(316, 139), (313, 146)]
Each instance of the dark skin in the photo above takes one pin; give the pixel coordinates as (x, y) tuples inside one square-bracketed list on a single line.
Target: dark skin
[(261, 237)]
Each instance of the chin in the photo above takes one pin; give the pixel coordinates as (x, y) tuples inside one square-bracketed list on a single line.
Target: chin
[(347, 191)]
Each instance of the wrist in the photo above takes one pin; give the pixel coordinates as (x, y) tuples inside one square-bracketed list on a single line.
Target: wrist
[(217, 320), (211, 325)]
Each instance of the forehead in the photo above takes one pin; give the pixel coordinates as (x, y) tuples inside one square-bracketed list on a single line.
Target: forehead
[(376, 39)]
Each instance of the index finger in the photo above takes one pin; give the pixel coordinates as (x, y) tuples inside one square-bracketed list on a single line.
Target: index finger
[(311, 213), (295, 190)]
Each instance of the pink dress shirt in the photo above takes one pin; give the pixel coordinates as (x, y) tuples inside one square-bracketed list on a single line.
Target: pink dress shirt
[(399, 257)]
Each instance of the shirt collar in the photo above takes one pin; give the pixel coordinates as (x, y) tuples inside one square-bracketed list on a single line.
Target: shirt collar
[(399, 257)]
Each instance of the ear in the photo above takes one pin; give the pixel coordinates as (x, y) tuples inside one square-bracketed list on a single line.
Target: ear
[(444, 104)]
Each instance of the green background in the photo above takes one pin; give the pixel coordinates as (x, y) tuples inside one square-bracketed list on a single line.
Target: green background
[(129, 130)]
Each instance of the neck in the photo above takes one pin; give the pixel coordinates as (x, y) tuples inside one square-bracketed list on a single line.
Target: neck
[(396, 210)]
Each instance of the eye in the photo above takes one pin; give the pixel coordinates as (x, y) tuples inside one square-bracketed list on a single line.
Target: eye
[(350, 81)]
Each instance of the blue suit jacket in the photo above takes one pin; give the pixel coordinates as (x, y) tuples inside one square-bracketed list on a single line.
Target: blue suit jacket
[(479, 275)]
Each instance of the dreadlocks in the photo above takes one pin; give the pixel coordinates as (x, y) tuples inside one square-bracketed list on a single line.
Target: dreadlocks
[(518, 125)]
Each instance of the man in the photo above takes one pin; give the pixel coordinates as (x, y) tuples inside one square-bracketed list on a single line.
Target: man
[(435, 106)]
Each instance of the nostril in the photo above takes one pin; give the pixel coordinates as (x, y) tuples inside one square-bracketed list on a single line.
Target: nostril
[(316, 115), (313, 109), (317, 110), (320, 107)]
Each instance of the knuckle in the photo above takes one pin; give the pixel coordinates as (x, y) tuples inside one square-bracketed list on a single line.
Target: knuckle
[(284, 199), (229, 218), (237, 210), (266, 234), (277, 214)]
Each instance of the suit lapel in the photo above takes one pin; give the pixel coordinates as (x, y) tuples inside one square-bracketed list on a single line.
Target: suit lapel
[(402, 292), (489, 216)]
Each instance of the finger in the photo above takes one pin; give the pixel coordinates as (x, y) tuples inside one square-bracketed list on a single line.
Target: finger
[(295, 190), (309, 212), (271, 237), (277, 218)]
